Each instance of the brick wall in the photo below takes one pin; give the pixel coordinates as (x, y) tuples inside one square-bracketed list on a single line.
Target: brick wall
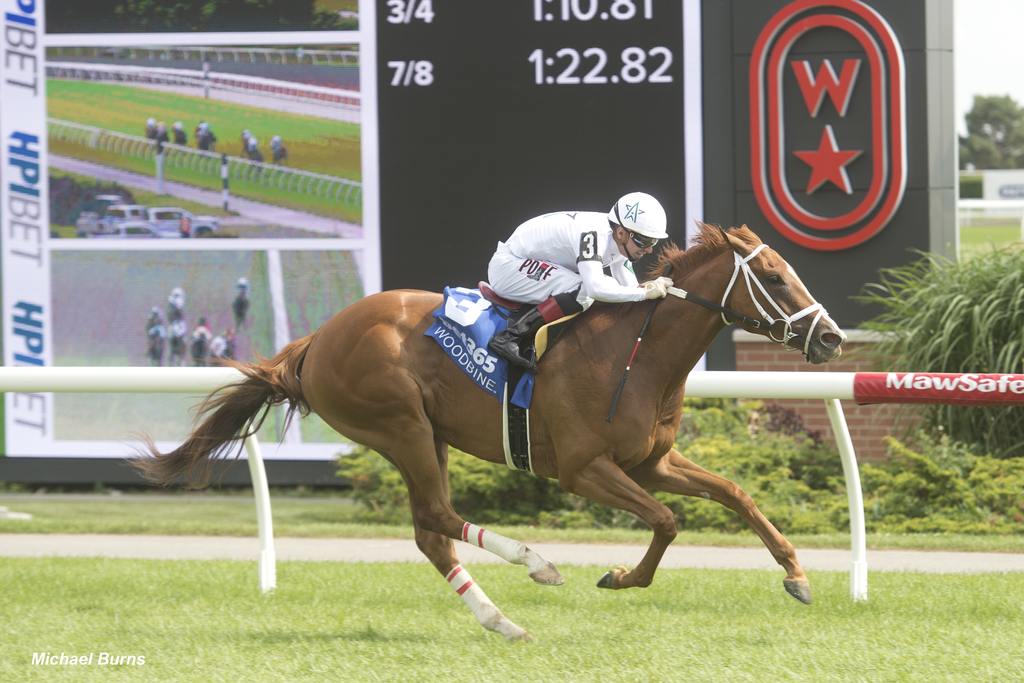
[(868, 424)]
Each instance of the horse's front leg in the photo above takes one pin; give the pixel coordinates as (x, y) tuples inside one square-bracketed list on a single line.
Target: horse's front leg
[(673, 473), (604, 482)]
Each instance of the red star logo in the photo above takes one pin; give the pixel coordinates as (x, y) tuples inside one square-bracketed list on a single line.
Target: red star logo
[(828, 163)]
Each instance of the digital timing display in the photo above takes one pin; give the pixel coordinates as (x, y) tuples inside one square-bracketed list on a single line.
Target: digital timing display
[(491, 112)]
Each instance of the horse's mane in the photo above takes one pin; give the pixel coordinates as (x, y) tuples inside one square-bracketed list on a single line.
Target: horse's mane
[(708, 243)]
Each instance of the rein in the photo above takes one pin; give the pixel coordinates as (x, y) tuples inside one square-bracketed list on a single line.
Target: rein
[(741, 265)]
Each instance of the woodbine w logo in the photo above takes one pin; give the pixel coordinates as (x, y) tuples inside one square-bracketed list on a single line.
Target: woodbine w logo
[(827, 134)]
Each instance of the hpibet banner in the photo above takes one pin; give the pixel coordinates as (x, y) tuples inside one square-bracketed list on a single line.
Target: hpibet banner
[(24, 213)]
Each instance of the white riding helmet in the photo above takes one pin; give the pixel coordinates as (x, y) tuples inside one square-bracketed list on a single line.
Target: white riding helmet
[(641, 213)]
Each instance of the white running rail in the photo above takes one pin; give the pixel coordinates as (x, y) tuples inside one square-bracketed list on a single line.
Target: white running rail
[(828, 386), (208, 163)]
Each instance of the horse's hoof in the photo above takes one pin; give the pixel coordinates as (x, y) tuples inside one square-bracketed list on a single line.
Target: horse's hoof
[(513, 633), (612, 578), (547, 576), (799, 589)]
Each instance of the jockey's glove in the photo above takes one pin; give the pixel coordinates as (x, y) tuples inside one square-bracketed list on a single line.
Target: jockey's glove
[(657, 288)]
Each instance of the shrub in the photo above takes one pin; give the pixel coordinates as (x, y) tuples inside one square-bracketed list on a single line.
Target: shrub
[(480, 491), (942, 486), (68, 198), (793, 477), (971, 187), (944, 316), (929, 484)]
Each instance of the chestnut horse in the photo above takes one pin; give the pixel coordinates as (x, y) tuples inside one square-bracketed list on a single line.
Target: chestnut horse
[(372, 375)]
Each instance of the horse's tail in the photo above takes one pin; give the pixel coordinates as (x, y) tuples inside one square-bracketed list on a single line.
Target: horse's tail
[(229, 413)]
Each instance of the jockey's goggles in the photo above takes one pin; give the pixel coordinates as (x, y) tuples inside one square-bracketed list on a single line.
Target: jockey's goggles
[(642, 241)]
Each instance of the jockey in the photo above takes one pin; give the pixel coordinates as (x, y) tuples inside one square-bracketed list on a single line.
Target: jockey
[(557, 261), (155, 324), (176, 305), (200, 342), (218, 346)]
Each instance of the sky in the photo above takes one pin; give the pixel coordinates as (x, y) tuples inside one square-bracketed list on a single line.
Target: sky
[(988, 51)]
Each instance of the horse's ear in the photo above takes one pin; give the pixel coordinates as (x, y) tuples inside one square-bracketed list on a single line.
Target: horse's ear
[(735, 241)]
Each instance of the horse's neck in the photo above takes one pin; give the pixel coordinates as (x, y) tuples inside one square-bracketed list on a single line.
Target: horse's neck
[(682, 331)]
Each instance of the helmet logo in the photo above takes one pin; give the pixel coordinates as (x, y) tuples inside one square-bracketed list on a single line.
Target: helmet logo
[(633, 212)]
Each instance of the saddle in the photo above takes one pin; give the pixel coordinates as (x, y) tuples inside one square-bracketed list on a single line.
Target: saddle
[(488, 293)]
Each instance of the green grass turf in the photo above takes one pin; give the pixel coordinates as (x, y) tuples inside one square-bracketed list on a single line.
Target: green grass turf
[(314, 144), (979, 240), (335, 5), (120, 287), (204, 513), (205, 621)]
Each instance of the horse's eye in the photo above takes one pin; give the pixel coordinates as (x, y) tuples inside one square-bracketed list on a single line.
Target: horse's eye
[(775, 279)]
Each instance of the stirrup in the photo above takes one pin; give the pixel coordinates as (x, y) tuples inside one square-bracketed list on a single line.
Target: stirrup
[(525, 364), (515, 359)]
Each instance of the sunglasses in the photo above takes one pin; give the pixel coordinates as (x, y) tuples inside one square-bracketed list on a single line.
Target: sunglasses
[(642, 241)]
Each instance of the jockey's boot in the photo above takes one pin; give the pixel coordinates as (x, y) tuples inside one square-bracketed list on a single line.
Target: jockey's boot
[(509, 342)]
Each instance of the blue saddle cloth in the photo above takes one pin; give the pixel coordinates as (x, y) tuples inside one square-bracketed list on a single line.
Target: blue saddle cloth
[(463, 325)]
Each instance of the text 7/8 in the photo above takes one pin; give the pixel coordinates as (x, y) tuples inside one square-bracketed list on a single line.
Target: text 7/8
[(420, 72)]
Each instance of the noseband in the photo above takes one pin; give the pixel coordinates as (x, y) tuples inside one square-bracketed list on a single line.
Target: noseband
[(768, 323)]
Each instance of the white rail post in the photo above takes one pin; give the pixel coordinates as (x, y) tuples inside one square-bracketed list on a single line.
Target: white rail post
[(224, 186), (858, 539), (261, 492), (160, 172)]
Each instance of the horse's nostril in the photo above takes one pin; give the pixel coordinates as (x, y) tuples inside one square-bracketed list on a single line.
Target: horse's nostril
[(831, 340)]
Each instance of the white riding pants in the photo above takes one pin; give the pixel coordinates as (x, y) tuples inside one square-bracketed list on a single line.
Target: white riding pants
[(530, 280)]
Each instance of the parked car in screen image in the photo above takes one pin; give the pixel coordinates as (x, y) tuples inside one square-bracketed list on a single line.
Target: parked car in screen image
[(167, 219), (92, 222), (134, 230)]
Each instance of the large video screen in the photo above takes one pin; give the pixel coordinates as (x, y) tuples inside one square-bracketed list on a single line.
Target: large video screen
[(216, 179)]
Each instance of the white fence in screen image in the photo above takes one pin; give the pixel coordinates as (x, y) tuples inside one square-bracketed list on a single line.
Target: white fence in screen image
[(234, 55), (206, 80), (209, 163)]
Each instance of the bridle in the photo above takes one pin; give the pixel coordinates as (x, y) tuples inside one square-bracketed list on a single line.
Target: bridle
[(768, 323), (741, 264)]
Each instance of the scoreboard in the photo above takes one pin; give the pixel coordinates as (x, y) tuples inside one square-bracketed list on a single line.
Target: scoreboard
[(491, 112)]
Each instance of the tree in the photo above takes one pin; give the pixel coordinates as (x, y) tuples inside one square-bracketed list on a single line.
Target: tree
[(995, 134)]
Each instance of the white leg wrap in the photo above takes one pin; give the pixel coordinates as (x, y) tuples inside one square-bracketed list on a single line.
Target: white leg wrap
[(489, 616), (506, 548)]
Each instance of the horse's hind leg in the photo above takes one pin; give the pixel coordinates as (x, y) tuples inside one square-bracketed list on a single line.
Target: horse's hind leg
[(441, 553), (432, 510), (436, 523), (675, 474)]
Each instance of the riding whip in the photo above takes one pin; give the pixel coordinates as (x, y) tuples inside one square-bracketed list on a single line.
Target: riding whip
[(629, 363)]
